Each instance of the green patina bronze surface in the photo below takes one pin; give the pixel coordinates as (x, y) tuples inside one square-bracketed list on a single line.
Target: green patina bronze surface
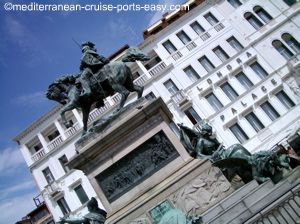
[(98, 78), (236, 159)]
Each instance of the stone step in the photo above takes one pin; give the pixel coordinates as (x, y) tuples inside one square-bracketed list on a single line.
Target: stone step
[(250, 200)]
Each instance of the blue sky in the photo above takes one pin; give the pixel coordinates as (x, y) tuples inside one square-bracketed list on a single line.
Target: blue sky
[(36, 48)]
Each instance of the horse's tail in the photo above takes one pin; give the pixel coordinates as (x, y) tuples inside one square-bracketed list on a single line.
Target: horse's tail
[(134, 54)]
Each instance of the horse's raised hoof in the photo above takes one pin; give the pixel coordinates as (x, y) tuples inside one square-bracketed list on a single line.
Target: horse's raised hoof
[(139, 107)]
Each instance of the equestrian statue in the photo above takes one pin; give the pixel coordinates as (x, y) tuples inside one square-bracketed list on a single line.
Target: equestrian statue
[(98, 78)]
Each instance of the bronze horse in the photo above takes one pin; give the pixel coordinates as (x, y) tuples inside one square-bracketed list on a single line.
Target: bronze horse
[(114, 77)]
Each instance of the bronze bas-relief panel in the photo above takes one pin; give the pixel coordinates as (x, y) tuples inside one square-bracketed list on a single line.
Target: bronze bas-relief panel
[(136, 166)]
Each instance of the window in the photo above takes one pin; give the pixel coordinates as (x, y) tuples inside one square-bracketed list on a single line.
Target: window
[(244, 80), (37, 147), (172, 88), (291, 42), (282, 49), (214, 102), (206, 63), (211, 19), (262, 14), (53, 135), (254, 121), (48, 175), (259, 70), (183, 37), (253, 20), (235, 3), (150, 96), (197, 28), (81, 194), (169, 47), (270, 111), (220, 53), (191, 73), (239, 133), (235, 44), (229, 91), (285, 100), (63, 161), (63, 206), (192, 115)]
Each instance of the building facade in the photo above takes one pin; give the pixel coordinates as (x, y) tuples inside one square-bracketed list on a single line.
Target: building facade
[(233, 63)]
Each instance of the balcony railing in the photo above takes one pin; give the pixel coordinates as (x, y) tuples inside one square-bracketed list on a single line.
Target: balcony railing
[(38, 155), (191, 45), (176, 55), (180, 98), (53, 188), (140, 81), (72, 130), (219, 27), (205, 36), (99, 111), (197, 126), (55, 143), (116, 98), (157, 68)]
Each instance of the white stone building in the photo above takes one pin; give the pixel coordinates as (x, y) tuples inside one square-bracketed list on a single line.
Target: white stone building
[(233, 63)]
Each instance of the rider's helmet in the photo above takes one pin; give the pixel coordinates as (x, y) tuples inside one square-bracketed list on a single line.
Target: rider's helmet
[(88, 45)]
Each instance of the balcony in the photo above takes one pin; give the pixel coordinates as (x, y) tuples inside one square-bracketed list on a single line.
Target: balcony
[(177, 55), (157, 69), (205, 36), (140, 81), (218, 27), (100, 111), (191, 45), (38, 155), (55, 143), (53, 189), (197, 126), (72, 130), (181, 99)]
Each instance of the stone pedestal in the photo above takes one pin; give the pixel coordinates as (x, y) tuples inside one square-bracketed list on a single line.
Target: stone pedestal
[(139, 169)]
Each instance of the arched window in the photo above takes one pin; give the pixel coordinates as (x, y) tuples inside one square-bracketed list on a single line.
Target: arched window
[(282, 49), (235, 3), (262, 14), (253, 20), (291, 42)]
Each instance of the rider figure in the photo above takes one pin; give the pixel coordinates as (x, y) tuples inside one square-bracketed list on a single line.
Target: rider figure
[(199, 143), (91, 63)]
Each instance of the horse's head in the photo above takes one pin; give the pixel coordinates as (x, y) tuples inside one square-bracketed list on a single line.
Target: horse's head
[(57, 92)]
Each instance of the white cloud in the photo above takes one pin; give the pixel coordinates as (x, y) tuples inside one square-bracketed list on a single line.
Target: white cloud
[(120, 28), (32, 99), (15, 208), (10, 190), (18, 33), (10, 159)]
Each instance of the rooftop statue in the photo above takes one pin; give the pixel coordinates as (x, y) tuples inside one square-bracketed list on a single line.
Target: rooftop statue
[(98, 78), (95, 215), (236, 159)]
